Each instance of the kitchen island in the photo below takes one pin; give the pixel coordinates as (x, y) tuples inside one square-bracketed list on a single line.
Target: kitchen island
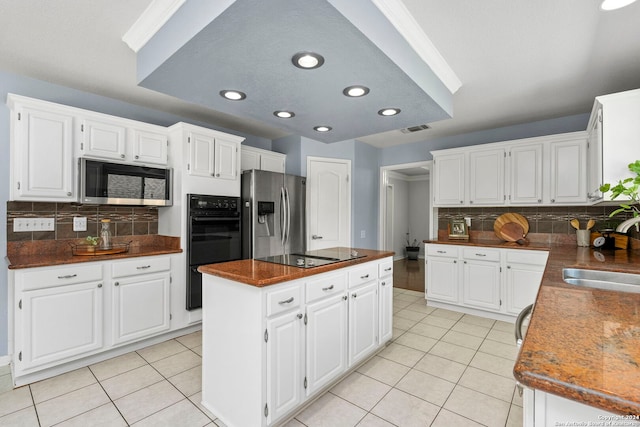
[(582, 347), (275, 337)]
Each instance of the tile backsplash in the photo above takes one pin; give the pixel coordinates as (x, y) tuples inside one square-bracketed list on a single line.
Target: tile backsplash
[(552, 220), (125, 220)]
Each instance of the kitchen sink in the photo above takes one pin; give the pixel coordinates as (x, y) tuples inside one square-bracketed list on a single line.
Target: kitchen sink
[(608, 280)]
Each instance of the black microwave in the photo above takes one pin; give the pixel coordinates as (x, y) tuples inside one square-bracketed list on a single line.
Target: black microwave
[(110, 183)]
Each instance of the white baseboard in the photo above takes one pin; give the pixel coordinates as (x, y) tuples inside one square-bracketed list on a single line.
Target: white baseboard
[(5, 360)]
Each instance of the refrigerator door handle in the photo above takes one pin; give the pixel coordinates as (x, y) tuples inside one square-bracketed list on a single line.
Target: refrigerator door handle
[(286, 192), (283, 219)]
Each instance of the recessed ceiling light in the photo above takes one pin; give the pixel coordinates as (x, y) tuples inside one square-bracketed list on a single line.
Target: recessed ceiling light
[(307, 60), (355, 91), (389, 111), (322, 128), (284, 114), (615, 4), (233, 95)]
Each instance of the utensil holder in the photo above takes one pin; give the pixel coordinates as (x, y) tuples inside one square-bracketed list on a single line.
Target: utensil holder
[(583, 237)]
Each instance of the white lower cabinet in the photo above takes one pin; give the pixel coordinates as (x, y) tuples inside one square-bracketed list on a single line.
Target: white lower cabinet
[(441, 270), (524, 271), (141, 298), (481, 278), (326, 349), (284, 363), (541, 409), (58, 324), (61, 313), (385, 310), (312, 332), (363, 321), (494, 282)]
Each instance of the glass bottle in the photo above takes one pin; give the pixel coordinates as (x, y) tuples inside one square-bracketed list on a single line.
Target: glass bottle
[(105, 234)]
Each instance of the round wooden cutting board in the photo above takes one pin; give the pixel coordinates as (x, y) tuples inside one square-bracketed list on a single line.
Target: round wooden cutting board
[(508, 232)]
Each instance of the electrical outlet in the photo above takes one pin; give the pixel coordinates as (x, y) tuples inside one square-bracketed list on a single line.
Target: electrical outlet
[(363, 234), (79, 223), (33, 224)]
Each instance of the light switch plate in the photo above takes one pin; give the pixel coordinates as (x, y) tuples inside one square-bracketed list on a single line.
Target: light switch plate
[(33, 224), (79, 223)]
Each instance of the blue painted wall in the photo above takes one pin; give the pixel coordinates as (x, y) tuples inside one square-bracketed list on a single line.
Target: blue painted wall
[(419, 151)]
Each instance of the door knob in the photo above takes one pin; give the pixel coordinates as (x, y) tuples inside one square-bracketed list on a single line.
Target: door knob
[(316, 237)]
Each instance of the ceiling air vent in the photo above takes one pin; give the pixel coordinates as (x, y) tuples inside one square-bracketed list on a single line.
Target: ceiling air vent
[(414, 129)]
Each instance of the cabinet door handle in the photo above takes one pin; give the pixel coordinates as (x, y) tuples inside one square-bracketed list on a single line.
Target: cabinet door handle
[(217, 175), (508, 266), (345, 297), (137, 157), (143, 267), (366, 276), (388, 269), (99, 285), (299, 315), (328, 288), (68, 276), (122, 156), (287, 301), (455, 261), (553, 200), (316, 237), (68, 193), (481, 254), (116, 284), (441, 252), (384, 283), (354, 295)]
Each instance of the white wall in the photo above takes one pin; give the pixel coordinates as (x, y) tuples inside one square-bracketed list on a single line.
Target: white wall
[(400, 214), (419, 212), (411, 213)]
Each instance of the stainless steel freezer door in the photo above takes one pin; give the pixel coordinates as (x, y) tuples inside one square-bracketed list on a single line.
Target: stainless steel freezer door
[(262, 237)]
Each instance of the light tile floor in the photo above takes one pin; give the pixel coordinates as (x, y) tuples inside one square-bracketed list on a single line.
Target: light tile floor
[(443, 369)]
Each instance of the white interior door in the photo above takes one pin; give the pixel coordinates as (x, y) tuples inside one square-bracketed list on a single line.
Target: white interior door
[(328, 203)]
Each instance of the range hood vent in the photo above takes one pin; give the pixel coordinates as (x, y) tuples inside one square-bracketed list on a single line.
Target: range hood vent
[(413, 129)]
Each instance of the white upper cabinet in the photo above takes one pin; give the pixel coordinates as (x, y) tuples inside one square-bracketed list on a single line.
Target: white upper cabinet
[(448, 182), (614, 135), (212, 157), (568, 181), (150, 146), (115, 138), (103, 139), (256, 158), (525, 174), (544, 170), (41, 141), (207, 161), (486, 177)]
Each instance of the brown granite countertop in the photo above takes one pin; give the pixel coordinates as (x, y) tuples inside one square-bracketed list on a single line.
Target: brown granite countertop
[(582, 344), (261, 273), (46, 253)]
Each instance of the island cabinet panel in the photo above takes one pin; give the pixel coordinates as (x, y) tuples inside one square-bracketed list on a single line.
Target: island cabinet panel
[(268, 350)]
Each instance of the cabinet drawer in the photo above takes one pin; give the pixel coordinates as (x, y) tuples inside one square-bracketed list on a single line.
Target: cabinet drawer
[(326, 286), (481, 254), (141, 265), (443, 250), (364, 274), (385, 268), (527, 257), (283, 299), (58, 276)]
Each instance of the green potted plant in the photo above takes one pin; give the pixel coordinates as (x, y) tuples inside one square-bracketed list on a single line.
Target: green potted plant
[(92, 242), (629, 187), (412, 248)]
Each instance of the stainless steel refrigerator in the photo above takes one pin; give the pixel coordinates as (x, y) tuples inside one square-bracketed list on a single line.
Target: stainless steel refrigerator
[(273, 214)]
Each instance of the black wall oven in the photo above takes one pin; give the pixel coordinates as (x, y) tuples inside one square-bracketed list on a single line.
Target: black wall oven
[(213, 235)]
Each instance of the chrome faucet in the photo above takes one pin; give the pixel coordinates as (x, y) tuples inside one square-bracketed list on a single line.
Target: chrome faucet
[(626, 225)]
